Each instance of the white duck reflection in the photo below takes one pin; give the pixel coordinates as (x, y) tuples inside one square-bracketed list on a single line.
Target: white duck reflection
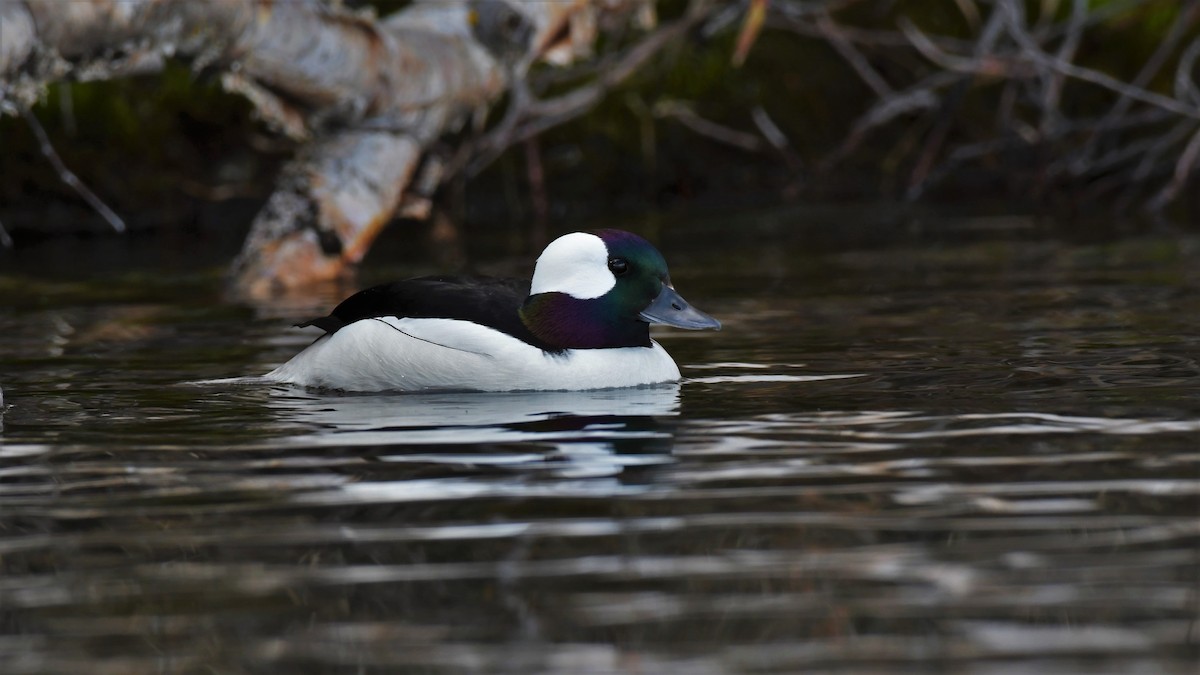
[(468, 418), (571, 435)]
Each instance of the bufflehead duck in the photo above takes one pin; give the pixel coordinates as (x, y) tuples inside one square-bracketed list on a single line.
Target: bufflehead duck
[(582, 322)]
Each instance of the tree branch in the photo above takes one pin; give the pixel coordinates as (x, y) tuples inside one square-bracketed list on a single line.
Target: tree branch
[(528, 116), (67, 176)]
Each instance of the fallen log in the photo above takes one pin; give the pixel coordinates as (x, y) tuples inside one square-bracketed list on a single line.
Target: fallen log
[(367, 96)]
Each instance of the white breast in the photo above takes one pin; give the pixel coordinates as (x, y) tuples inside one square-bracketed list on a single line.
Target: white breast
[(428, 354)]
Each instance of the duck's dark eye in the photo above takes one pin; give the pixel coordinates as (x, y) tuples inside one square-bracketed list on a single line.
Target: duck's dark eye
[(618, 266)]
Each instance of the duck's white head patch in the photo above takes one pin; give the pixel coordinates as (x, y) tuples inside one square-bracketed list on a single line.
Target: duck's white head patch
[(575, 264)]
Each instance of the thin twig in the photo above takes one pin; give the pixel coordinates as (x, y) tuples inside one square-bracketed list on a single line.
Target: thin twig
[(934, 141), (1151, 160), (916, 98), (1034, 62), (769, 130), (857, 61), (1152, 163), (683, 113), (1149, 150), (528, 116), (1185, 85), (951, 103), (1032, 52), (776, 137), (1188, 16), (65, 174), (1121, 154), (988, 65), (1052, 89), (970, 12), (966, 153), (1183, 168)]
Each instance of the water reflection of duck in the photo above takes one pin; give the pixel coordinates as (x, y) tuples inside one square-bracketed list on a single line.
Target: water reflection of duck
[(623, 416), (582, 322)]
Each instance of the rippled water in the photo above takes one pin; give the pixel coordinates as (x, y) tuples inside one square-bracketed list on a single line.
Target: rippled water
[(967, 445)]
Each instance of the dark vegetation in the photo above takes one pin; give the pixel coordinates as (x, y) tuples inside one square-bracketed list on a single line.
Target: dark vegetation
[(1070, 106)]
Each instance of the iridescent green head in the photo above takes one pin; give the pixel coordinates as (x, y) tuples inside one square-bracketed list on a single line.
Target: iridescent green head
[(603, 289)]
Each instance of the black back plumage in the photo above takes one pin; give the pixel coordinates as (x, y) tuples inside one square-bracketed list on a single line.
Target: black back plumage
[(487, 301)]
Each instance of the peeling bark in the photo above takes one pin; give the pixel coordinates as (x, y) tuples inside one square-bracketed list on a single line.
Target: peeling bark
[(369, 96)]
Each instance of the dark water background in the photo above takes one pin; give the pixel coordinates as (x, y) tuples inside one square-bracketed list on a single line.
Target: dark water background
[(963, 444)]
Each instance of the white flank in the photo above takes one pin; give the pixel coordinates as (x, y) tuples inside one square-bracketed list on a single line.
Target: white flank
[(390, 354), (575, 264)]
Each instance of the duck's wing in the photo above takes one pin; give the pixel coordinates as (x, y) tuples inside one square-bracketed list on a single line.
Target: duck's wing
[(486, 301)]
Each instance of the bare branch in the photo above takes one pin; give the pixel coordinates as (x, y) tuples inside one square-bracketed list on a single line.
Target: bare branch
[(1031, 52), (963, 154), (970, 12), (1183, 169), (1152, 158), (1076, 164), (1188, 15), (846, 49), (1052, 89), (528, 117), (1024, 65), (683, 113), (751, 26), (1185, 84), (65, 174), (919, 97), (952, 102), (769, 130), (985, 64)]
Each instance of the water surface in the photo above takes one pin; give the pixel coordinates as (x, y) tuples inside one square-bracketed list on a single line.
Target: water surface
[(964, 445)]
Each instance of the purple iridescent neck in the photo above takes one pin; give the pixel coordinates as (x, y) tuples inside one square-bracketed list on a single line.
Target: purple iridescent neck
[(564, 322)]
